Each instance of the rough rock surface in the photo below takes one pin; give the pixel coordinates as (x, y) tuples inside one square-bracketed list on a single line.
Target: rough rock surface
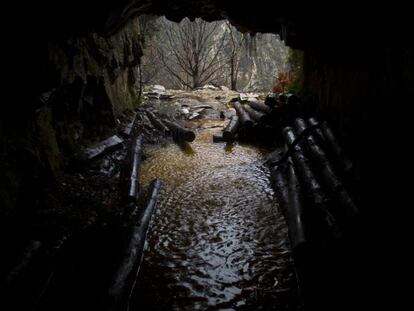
[(90, 85)]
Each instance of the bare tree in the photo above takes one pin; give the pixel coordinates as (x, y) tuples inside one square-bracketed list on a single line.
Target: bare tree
[(148, 67), (190, 51), (192, 54), (234, 50)]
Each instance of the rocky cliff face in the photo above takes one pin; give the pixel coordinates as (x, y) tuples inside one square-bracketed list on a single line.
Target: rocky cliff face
[(97, 82), (91, 83)]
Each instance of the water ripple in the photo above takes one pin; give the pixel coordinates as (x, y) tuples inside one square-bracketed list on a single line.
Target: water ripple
[(218, 240)]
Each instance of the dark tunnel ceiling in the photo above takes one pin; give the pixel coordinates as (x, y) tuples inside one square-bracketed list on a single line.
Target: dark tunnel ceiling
[(301, 26)]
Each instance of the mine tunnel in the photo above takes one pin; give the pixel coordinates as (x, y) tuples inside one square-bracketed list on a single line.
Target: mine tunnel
[(243, 202)]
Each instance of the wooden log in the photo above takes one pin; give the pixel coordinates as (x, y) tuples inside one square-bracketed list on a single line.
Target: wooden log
[(292, 99), (274, 157), (254, 114), (157, 122), (282, 98), (288, 191), (318, 135), (102, 148), (310, 184), (243, 115), (295, 214), (271, 101), (346, 208), (133, 170), (260, 106), (179, 132), (218, 139), (336, 149), (280, 185), (123, 281), (231, 129)]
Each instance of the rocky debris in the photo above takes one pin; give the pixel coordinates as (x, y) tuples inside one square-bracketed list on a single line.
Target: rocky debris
[(203, 103), (158, 123), (207, 87), (125, 128), (158, 87), (158, 92), (185, 110), (248, 96), (102, 147), (196, 113)]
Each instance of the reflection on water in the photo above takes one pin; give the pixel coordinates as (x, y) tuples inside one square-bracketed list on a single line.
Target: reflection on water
[(217, 241)]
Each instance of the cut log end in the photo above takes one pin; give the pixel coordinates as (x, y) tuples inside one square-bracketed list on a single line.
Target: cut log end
[(231, 129)]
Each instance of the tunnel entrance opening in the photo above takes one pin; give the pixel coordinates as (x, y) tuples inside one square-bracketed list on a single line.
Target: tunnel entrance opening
[(191, 54), (216, 241)]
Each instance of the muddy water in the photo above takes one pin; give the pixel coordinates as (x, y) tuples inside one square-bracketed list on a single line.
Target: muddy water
[(218, 240)]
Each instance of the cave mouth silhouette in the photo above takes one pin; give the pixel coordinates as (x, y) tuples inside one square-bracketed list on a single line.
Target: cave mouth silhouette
[(373, 72)]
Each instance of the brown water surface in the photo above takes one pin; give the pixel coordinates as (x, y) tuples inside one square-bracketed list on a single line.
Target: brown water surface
[(218, 240)]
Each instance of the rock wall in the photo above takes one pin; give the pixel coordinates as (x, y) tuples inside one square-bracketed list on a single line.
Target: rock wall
[(353, 86), (90, 83)]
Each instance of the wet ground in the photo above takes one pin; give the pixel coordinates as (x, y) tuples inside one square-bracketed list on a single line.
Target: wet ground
[(218, 240)]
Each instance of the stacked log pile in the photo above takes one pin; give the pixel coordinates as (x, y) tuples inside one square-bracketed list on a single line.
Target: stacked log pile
[(309, 177), (260, 120)]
